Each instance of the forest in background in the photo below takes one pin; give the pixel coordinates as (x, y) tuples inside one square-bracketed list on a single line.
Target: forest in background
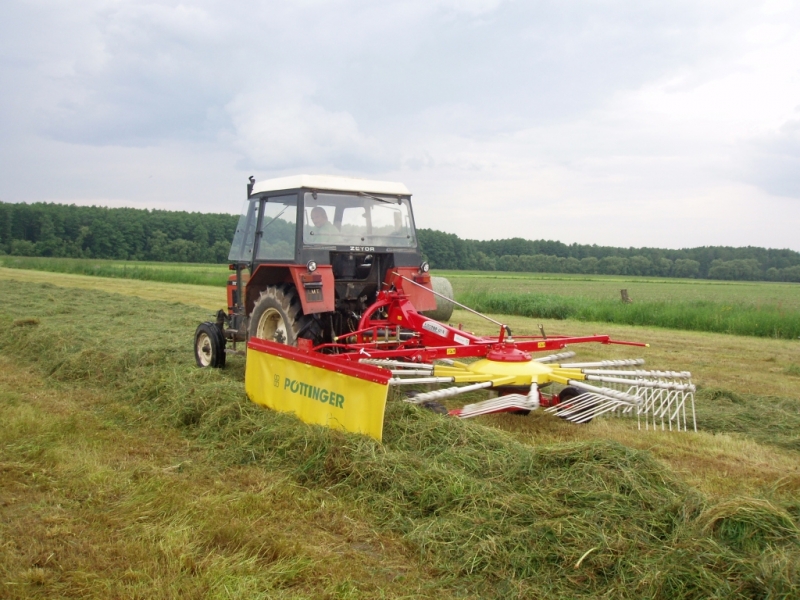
[(58, 230)]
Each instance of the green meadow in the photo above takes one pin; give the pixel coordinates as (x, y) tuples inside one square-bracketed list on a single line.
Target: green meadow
[(762, 309)]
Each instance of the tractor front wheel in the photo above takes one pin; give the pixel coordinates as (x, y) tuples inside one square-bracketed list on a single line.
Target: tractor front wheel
[(209, 346), (278, 317)]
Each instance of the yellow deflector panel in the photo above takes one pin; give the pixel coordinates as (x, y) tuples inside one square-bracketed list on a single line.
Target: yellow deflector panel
[(320, 391)]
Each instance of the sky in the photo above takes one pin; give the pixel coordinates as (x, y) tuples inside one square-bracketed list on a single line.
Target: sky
[(623, 123)]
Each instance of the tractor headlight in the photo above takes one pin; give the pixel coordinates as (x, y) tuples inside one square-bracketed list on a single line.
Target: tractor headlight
[(311, 266), (424, 267)]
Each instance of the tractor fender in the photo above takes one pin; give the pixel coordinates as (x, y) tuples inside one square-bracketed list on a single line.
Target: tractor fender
[(420, 295), (316, 290)]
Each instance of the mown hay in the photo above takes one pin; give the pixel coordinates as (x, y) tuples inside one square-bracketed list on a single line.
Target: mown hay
[(749, 524), (496, 517), (770, 420)]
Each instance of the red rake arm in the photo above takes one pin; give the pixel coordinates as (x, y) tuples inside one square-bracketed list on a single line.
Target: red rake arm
[(402, 332)]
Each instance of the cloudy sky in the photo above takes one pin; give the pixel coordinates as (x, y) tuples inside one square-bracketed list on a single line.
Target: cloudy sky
[(626, 123)]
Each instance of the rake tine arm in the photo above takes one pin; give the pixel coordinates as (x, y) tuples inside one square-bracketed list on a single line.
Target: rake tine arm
[(626, 362), (396, 363), (555, 357), (577, 403), (448, 392), (607, 392), (506, 403), (419, 380), (655, 374), (664, 385), (600, 409)]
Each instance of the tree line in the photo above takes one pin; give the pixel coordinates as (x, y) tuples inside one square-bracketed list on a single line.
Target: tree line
[(47, 229), (448, 251)]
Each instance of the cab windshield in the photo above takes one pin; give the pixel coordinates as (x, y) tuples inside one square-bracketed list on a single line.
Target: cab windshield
[(355, 219)]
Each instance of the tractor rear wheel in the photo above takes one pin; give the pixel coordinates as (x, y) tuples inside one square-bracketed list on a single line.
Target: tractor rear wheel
[(278, 317), (209, 346)]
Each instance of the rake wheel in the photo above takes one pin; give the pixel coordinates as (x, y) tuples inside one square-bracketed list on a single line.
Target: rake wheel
[(567, 394)]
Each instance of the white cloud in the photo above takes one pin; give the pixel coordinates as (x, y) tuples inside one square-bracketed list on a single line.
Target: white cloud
[(772, 161), (621, 123), (282, 128), (472, 8)]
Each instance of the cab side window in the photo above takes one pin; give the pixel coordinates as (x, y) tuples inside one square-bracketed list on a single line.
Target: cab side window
[(278, 228)]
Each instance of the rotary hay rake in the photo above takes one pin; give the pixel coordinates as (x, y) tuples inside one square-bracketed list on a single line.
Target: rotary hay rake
[(657, 398), (344, 384)]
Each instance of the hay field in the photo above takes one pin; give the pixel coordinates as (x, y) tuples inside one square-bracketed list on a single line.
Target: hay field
[(595, 287), (128, 473), (760, 309), (640, 289), (189, 273)]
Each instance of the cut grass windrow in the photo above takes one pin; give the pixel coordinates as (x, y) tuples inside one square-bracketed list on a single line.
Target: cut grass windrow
[(495, 517)]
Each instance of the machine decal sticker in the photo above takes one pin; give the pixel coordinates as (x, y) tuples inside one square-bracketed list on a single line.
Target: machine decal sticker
[(460, 339), (435, 327)]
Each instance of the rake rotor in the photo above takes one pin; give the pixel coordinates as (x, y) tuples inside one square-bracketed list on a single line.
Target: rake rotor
[(658, 399)]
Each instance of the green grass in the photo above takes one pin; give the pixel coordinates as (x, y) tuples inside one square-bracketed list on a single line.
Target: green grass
[(99, 502), (491, 515), (782, 296), (695, 315), (769, 420), (762, 309), (741, 308), (191, 273)]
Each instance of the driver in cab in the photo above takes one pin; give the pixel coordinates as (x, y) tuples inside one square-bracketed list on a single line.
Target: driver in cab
[(322, 226)]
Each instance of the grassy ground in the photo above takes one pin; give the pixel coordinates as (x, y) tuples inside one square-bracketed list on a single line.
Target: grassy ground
[(133, 474), (105, 496), (596, 287), (640, 289), (189, 273), (211, 298), (99, 502), (738, 307), (743, 308)]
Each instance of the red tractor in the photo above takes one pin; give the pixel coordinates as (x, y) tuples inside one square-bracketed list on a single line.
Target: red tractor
[(310, 255)]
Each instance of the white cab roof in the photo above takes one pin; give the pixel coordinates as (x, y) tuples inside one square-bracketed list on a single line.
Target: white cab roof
[(331, 182)]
